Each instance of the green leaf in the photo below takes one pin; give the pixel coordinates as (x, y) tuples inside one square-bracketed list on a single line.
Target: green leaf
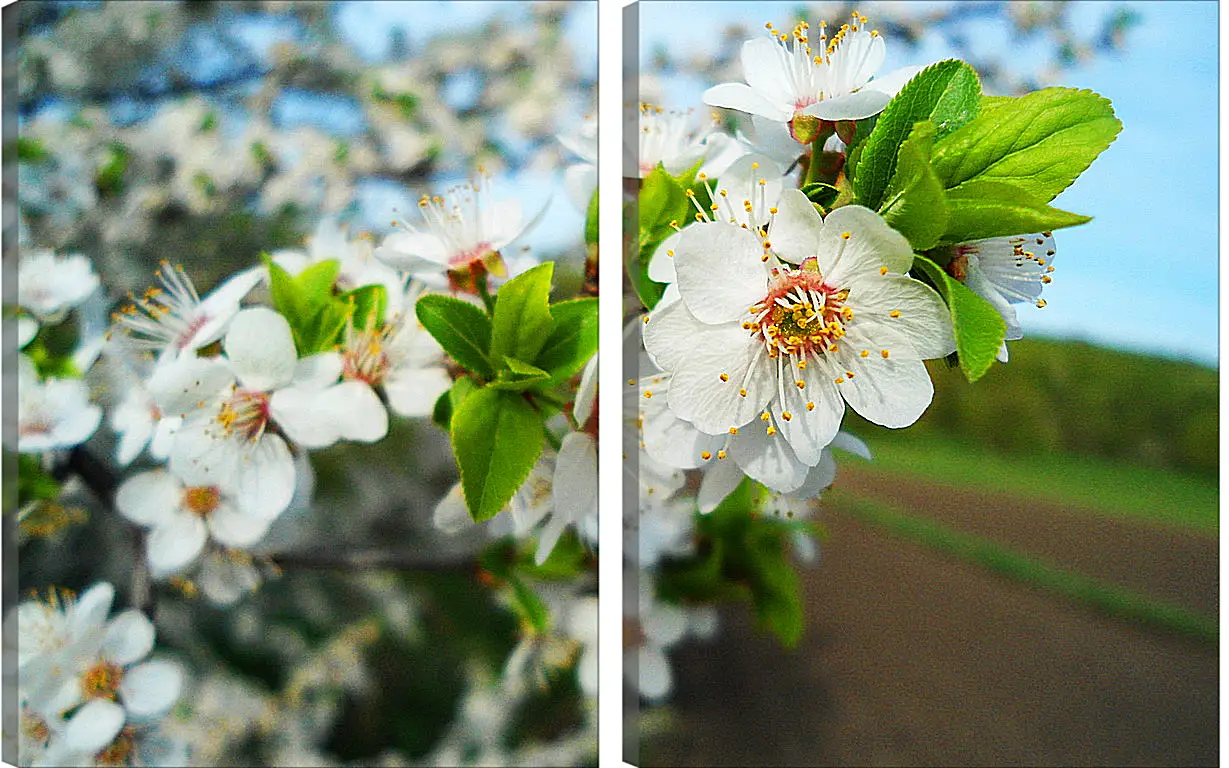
[(775, 590), (947, 94), (662, 201), (497, 438), (369, 304), (529, 605), (447, 403), (522, 319), (1040, 142), (978, 327), (316, 282), (574, 339), (315, 316), (33, 483), (914, 203), (463, 330), (591, 220), (984, 208), (566, 560), (31, 150), (821, 193), (519, 376)]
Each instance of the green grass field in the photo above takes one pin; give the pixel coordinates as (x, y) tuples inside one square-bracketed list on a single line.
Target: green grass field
[(1018, 566), (1098, 485)]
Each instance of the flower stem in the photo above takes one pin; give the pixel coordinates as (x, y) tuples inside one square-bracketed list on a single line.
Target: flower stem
[(814, 174), (484, 292)]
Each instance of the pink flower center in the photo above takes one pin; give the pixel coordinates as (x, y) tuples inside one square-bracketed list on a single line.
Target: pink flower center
[(801, 315), (245, 413)]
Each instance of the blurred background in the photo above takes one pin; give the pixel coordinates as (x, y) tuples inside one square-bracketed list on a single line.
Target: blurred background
[(1029, 574), (206, 133)]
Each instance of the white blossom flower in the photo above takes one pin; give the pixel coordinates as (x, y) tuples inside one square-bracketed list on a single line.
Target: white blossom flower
[(786, 78), (463, 231), (650, 627), (1006, 271), (580, 179), (775, 334), (674, 140), (182, 519), (400, 358), (147, 745), (93, 670), (173, 321), (240, 410), (52, 414), (226, 576), (49, 285)]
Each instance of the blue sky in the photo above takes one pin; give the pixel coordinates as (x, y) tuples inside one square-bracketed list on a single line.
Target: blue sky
[(1143, 274)]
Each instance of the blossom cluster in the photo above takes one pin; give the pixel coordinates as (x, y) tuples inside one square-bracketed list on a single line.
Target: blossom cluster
[(809, 264)]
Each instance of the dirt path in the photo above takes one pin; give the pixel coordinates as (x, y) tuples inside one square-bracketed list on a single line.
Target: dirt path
[(910, 658), (1159, 561)]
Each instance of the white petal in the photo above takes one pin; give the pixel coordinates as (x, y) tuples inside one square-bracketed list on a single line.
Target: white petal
[(221, 305), (892, 82), (669, 334), (872, 244), (225, 581), (720, 271), (305, 417), (357, 412), (586, 392), (549, 537), (175, 543), (93, 726), (451, 514), (851, 106), (654, 679), (181, 386), (234, 529), (718, 482), (574, 488), (764, 70), (892, 392), (795, 232), (818, 478), (673, 441), (91, 609), (852, 444), (663, 624), (199, 457), (150, 689), (261, 350), (413, 252), (27, 329), (413, 393), (746, 99), (129, 638), (266, 478), (317, 371), (768, 459), (923, 318), (808, 429), (661, 266), (698, 393), (149, 497)]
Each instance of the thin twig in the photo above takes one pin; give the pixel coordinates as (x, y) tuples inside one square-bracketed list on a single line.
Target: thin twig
[(369, 560)]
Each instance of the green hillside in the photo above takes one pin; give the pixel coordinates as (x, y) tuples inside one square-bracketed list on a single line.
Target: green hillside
[(1063, 397)]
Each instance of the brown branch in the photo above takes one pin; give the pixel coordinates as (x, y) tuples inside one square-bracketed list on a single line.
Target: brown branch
[(369, 560)]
